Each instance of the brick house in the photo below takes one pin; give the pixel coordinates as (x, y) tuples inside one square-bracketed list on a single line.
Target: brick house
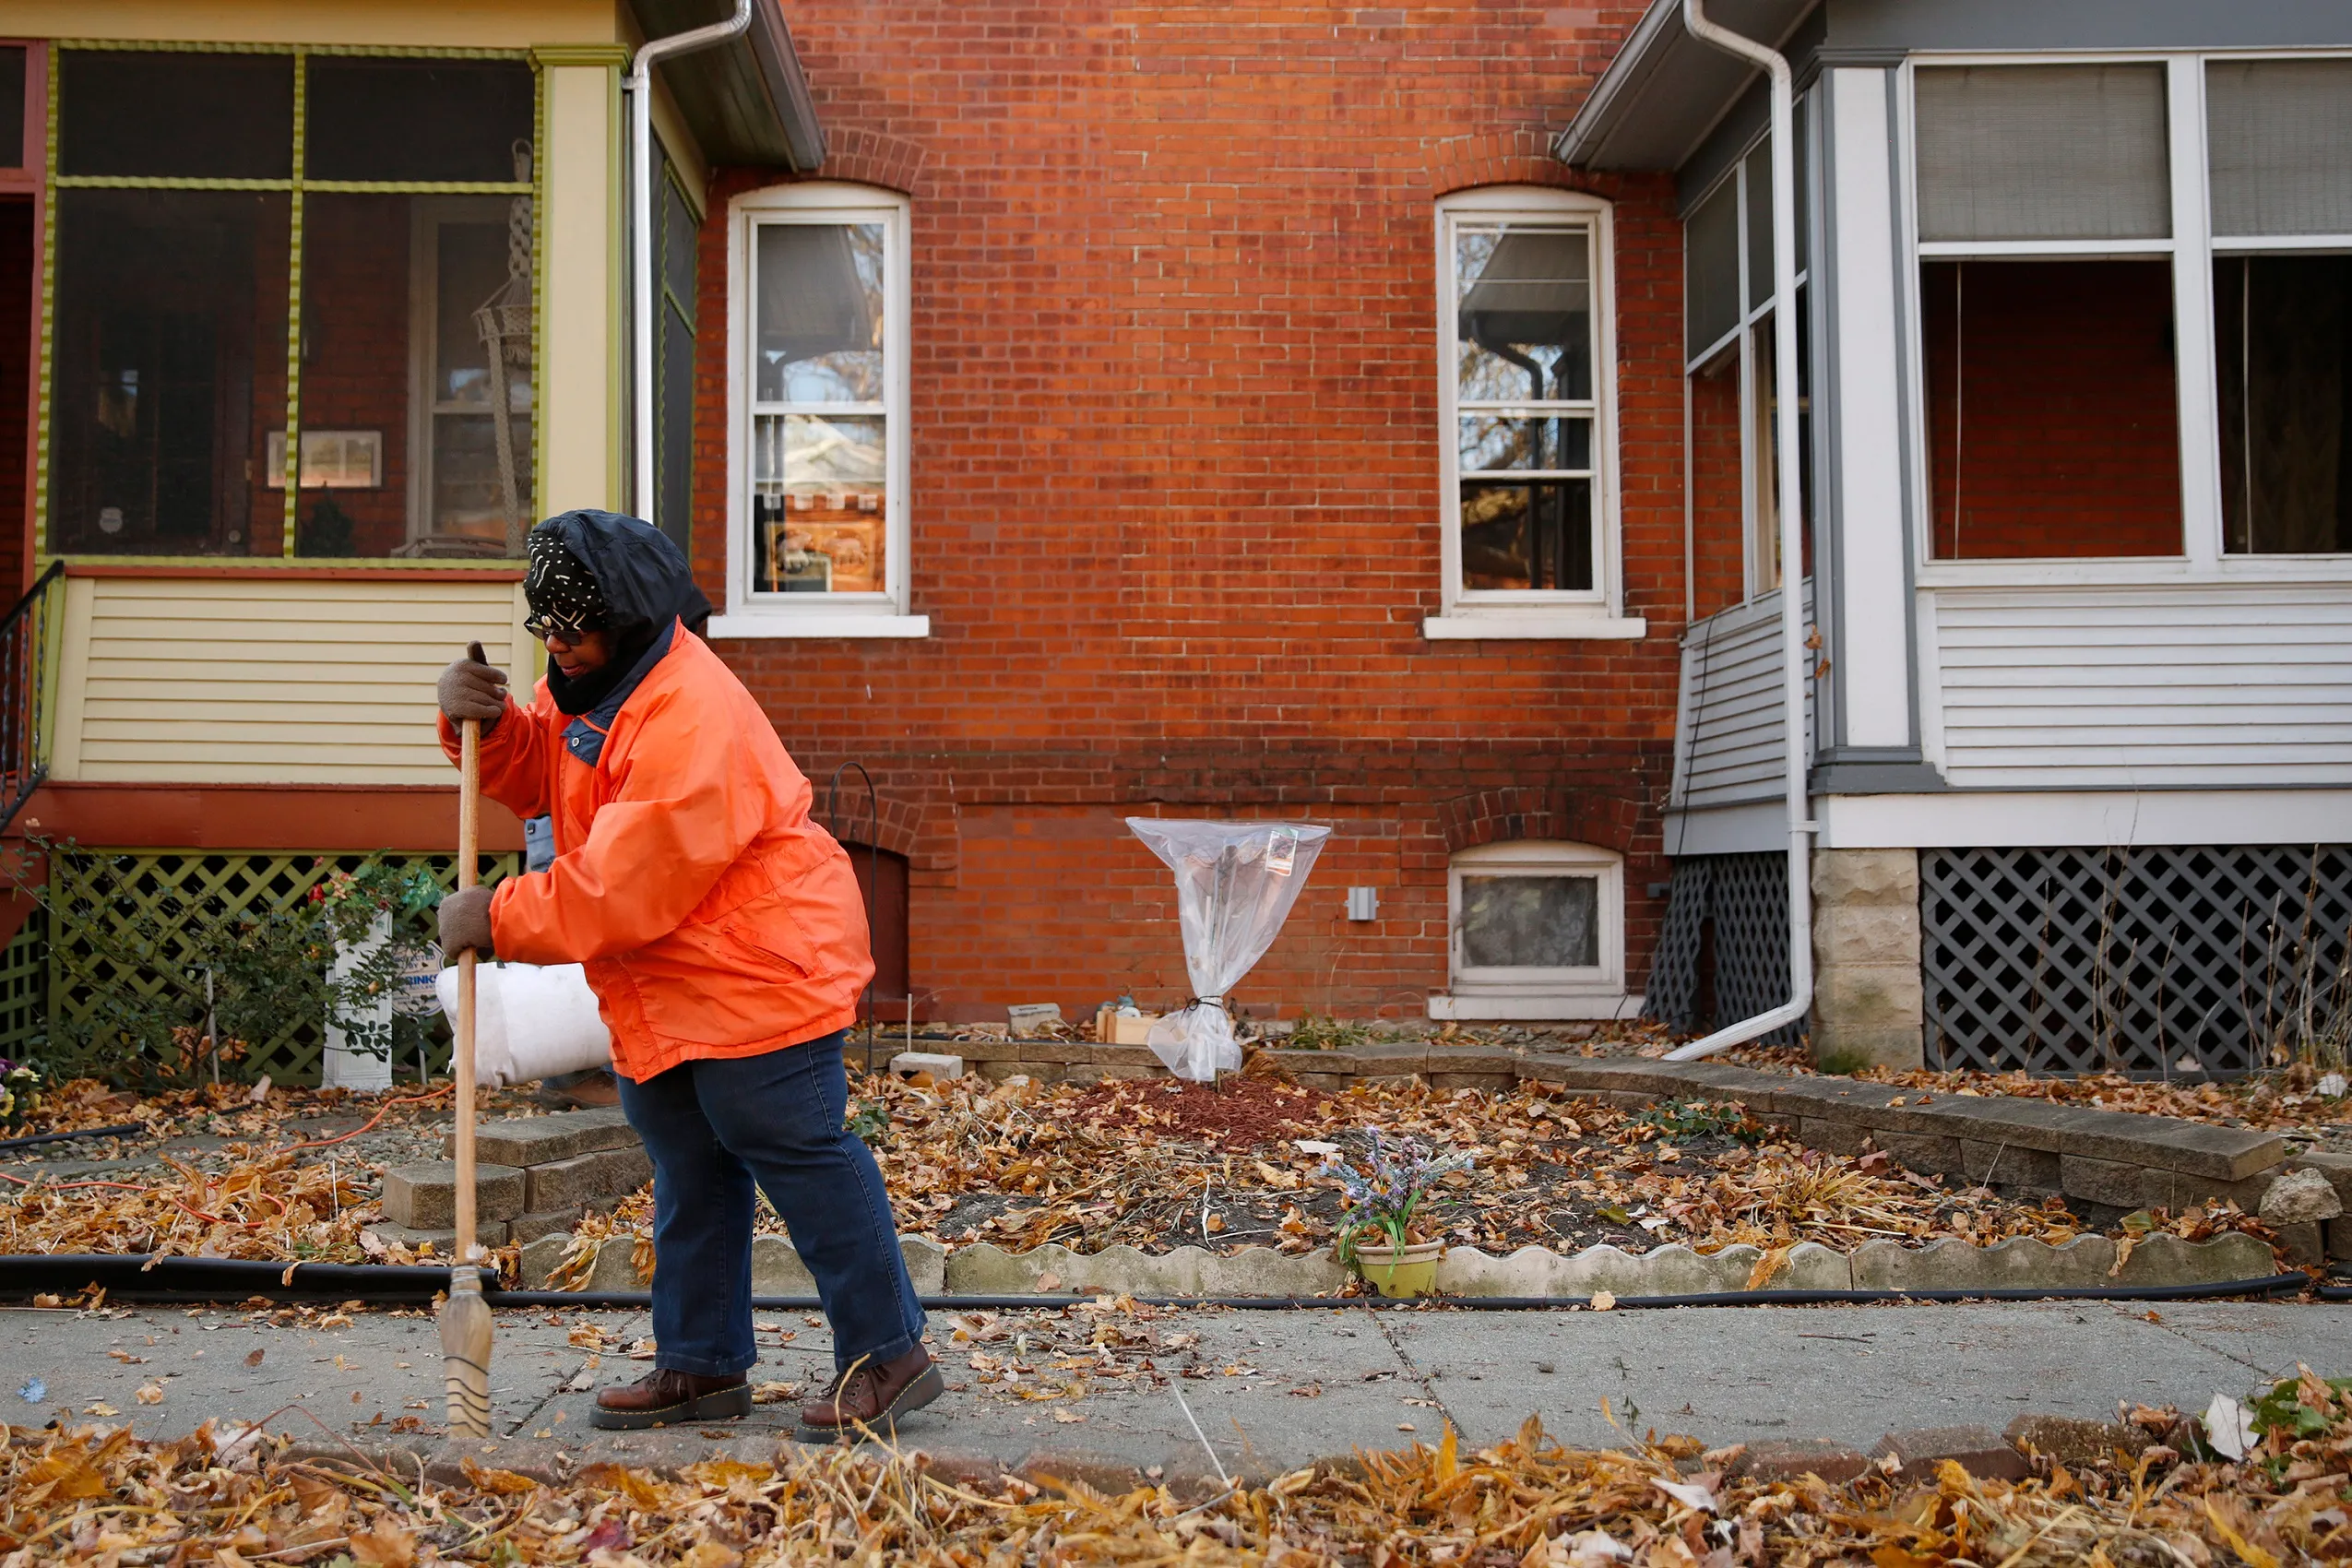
[(1342, 413), (1152, 497)]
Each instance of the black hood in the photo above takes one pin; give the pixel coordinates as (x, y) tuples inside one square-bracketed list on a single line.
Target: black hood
[(643, 574), (646, 584)]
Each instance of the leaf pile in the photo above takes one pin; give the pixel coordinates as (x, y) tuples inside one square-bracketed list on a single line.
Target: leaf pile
[(1097, 1166), (234, 1497)]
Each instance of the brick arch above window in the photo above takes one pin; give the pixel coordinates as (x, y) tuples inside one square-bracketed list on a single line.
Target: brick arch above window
[(1501, 158), (1498, 816), (896, 826), (871, 158)]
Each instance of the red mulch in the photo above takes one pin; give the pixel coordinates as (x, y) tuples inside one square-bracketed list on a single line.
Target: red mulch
[(1239, 1114)]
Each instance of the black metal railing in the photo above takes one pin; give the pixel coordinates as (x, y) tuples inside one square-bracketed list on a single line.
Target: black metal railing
[(22, 764)]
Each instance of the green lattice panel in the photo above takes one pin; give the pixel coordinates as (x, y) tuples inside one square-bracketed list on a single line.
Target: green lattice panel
[(222, 886), (24, 989)]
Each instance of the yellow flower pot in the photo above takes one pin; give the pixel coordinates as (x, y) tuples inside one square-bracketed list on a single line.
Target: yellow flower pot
[(1399, 1273)]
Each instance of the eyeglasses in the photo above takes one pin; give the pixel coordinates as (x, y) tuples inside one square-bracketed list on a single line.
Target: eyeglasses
[(550, 629)]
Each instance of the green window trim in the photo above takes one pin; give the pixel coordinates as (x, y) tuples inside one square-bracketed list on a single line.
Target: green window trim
[(294, 188)]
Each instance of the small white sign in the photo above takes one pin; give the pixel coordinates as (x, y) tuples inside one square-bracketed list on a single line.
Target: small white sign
[(332, 459)]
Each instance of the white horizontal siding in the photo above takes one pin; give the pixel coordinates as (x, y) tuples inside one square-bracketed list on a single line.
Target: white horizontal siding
[(1728, 734), (2229, 684), (250, 680)]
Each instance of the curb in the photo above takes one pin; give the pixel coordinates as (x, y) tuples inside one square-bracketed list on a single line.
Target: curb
[(1945, 1266)]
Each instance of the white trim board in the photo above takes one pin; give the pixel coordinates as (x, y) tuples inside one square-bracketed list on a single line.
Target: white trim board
[(1564, 1008), (2017, 819)]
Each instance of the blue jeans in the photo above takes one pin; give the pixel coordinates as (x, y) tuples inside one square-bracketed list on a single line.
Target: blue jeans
[(711, 1127)]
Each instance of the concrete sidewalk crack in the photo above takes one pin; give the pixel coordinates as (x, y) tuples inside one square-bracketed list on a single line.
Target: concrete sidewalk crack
[(1428, 1389), (545, 1399), (2178, 1333)]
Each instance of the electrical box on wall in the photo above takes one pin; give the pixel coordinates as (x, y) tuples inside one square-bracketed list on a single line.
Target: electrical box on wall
[(1364, 903)]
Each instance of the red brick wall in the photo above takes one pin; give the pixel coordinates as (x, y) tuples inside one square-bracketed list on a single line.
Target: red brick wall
[(2065, 401), (1175, 501)]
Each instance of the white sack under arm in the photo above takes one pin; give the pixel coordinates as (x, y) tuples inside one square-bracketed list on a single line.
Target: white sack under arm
[(1235, 884), (529, 1021)]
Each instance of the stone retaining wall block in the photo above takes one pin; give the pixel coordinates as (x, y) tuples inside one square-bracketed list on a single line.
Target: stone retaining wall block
[(2176, 1190), (2099, 1180), (2008, 1165)]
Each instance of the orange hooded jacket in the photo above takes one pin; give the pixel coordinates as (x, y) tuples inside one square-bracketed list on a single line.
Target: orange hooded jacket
[(714, 918)]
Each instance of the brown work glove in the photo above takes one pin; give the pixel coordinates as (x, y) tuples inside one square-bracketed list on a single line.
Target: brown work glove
[(473, 688), (465, 922)]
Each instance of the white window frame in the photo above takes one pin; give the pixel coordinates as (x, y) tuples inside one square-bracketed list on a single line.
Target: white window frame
[(1759, 543), (1598, 611), (1534, 994), (884, 614), (2192, 247)]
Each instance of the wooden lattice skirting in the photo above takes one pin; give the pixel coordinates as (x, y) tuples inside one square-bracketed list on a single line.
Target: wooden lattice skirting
[(2074, 960)]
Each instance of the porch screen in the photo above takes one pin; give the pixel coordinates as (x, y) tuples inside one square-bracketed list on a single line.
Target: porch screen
[(2042, 152), (2279, 146), (292, 304), (1711, 268), (2279, 154)]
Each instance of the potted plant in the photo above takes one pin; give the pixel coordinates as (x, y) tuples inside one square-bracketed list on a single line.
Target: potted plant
[(1381, 1202)]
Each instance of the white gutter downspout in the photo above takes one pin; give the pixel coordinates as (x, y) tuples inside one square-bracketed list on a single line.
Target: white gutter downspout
[(1792, 543), (639, 87)]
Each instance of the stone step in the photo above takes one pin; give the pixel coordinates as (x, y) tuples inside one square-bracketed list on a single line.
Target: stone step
[(583, 1179), (423, 1196), (541, 1140)]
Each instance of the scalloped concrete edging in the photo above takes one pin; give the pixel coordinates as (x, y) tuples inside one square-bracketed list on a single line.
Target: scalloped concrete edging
[(2016, 1263)]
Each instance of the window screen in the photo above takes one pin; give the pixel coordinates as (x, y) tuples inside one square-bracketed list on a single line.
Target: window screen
[(2279, 146), (1760, 224), (12, 107), (417, 119), (176, 114), (1711, 268), (2042, 152)]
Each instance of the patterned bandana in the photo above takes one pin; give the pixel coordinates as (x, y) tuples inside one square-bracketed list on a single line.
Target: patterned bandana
[(562, 596)]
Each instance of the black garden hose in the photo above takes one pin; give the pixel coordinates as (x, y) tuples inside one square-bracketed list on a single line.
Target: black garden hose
[(124, 1131), (134, 1276)]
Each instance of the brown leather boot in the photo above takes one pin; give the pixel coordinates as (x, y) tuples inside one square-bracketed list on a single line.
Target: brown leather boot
[(668, 1397), (872, 1395)]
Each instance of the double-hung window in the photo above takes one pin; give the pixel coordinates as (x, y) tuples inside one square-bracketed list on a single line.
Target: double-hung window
[(1527, 415), (817, 532)]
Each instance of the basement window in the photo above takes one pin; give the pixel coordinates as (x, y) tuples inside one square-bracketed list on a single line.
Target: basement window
[(1536, 932)]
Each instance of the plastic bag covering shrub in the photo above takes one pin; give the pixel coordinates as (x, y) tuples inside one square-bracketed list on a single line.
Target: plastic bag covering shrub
[(1235, 884)]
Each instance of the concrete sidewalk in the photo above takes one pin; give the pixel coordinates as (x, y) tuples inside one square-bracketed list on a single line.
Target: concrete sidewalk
[(1271, 1390)]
